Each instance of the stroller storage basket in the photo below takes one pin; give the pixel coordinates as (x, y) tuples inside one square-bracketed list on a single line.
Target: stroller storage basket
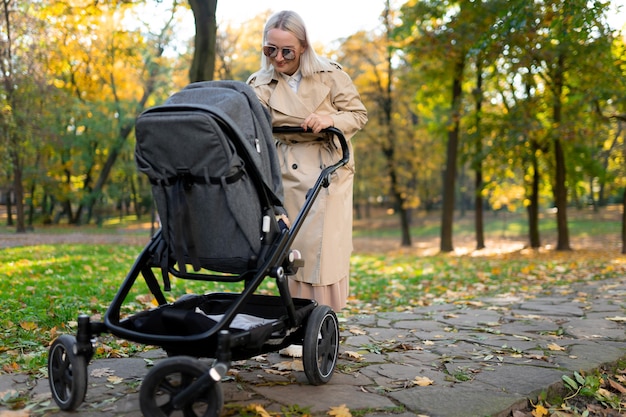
[(259, 322)]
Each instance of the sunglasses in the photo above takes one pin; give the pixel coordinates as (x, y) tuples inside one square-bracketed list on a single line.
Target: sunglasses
[(272, 52)]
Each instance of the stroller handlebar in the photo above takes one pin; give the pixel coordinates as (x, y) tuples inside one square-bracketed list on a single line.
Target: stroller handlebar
[(333, 130)]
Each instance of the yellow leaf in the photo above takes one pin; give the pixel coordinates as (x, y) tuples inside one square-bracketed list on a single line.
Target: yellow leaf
[(423, 381), (619, 319), (258, 410), (341, 411), (295, 365), (357, 330), (115, 380), (539, 411), (554, 346), (28, 325), (352, 355)]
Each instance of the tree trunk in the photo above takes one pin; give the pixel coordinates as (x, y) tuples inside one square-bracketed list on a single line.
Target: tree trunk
[(624, 222), (478, 168), (447, 213), (533, 207), (9, 207), (560, 179), (203, 64), (479, 215), (18, 187), (389, 149)]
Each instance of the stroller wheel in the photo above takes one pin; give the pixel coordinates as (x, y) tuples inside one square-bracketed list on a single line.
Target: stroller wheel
[(321, 345), (170, 377), (67, 373)]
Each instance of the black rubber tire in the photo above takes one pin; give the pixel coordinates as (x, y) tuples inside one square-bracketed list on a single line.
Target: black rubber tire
[(171, 376), (67, 373), (320, 346)]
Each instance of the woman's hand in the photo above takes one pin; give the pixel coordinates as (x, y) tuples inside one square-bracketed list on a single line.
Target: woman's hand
[(317, 122)]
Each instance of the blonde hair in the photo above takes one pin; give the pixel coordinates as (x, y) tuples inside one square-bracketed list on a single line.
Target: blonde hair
[(291, 22)]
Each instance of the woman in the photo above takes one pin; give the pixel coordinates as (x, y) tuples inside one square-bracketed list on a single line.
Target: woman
[(299, 88)]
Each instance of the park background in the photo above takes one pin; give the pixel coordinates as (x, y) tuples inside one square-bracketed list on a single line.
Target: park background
[(475, 106)]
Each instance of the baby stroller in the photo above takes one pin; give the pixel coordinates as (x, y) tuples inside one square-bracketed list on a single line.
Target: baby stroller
[(209, 155)]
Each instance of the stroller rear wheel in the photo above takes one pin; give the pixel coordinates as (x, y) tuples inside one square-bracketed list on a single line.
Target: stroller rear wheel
[(67, 373), (321, 345), (170, 377)]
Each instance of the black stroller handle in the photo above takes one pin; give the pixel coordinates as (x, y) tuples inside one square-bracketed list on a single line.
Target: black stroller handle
[(323, 180), (333, 130)]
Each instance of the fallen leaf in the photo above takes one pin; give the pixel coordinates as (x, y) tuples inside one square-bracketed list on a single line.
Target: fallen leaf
[(539, 411), (277, 372), (357, 331), (341, 411), (537, 357), (289, 366), (605, 393), (620, 319), (554, 346), (422, 381), (100, 372), (28, 325), (617, 387), (352, 355), (115, 380), (258, 410)]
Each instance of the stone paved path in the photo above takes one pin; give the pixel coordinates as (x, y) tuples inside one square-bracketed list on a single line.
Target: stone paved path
[(487, 357)]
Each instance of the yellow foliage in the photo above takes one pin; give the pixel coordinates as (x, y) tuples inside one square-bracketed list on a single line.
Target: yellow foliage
[(341, 411), (422, 381), (28, 325), (555, 347), (258, 410), (540, 411)]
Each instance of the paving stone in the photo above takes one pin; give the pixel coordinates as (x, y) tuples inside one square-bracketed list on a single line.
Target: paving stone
[(520, 379), (460, 400), (322, 398), (553, 309)]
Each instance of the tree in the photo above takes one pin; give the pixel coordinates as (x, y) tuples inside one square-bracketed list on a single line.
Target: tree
[(391, 129), (203, 64), (22, 83), (446, 32), (564, 37)]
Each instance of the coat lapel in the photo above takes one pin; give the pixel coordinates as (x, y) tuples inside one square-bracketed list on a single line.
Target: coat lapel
[(285, 101)]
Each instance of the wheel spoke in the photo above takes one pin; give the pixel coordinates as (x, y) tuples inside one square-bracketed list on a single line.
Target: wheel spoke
[(167, 408)]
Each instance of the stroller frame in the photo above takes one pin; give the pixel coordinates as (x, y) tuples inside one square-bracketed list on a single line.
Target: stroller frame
[(291, 320)]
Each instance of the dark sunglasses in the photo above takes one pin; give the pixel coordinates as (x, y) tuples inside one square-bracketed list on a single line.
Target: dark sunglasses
[(272, 52)]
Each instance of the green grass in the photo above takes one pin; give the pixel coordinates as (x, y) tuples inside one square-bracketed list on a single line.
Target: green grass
[(581, 223)]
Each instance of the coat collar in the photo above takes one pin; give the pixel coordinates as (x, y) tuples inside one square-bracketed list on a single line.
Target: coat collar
[(311, 94)]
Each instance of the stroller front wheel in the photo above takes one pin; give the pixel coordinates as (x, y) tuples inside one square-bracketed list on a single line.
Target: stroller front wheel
[(320, 346), (67, 373), (169, 378)]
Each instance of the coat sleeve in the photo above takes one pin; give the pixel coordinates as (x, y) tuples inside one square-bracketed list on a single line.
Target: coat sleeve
[(351, 114)]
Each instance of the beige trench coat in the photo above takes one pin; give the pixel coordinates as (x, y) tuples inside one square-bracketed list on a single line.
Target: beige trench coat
[(325, 239)]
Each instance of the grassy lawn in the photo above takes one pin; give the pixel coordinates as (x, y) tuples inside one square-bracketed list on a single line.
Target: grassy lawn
[(46, 286)]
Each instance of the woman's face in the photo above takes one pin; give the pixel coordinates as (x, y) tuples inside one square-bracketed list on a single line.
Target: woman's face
[(279, 43)]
